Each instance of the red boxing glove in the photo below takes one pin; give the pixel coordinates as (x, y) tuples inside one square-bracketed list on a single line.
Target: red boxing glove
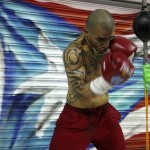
[(116, 68), (116, 65), (123, 45)]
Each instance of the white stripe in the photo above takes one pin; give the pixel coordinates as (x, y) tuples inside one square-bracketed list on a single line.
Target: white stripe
[(135, 123), (92, 6)]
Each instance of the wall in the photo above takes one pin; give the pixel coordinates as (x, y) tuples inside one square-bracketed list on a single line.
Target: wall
[(33, 35)]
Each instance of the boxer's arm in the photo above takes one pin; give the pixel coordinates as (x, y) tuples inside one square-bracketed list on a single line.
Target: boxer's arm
[(74, 65), (116, 68), (111, 61)]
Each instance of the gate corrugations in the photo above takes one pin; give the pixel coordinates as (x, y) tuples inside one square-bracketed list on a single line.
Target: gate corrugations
[(33, 35)]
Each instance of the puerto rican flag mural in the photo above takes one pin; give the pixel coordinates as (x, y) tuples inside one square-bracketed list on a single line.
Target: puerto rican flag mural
[(33, 36)]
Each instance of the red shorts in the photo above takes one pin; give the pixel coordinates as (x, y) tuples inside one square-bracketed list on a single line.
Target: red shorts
[(76, 128)]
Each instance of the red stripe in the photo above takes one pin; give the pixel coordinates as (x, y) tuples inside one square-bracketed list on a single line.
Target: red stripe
[(137, 142), (78, 17), (141, 104)]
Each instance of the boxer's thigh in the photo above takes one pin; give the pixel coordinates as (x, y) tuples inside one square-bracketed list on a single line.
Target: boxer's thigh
[(114, 138), (108, 133), (71, 132), (69, 139)]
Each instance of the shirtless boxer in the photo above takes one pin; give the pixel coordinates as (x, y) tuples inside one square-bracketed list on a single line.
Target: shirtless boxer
[(94, 63)]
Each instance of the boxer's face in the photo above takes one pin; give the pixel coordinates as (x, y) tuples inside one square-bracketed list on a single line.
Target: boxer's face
[(100, 39)]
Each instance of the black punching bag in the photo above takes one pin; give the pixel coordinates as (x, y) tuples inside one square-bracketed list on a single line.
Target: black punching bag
[(141, 25)]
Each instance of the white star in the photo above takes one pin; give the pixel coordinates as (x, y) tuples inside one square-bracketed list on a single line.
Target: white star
[(52, 84)]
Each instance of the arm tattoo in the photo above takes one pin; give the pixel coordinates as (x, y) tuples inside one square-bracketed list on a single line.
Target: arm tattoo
[(75, 70)]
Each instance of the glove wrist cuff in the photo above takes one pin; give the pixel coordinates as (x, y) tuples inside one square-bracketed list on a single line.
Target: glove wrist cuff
[(99, 86)]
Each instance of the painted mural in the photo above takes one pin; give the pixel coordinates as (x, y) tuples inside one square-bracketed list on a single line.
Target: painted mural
[(33, 36)]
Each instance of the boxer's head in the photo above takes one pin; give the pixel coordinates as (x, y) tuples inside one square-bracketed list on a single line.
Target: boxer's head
[(100, 29)]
